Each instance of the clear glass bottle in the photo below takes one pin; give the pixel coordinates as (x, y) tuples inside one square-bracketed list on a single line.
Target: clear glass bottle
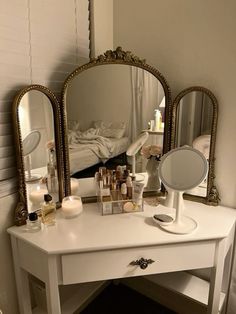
[(48, 211), (52, 180), (33, 222)]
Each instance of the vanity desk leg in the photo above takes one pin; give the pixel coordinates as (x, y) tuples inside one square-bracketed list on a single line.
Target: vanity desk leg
[(22, 281), (52, 287), (216, 278)]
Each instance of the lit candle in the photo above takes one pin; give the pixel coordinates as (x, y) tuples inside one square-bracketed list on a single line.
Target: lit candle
[(74, 184), (71, 206), (37, 196)]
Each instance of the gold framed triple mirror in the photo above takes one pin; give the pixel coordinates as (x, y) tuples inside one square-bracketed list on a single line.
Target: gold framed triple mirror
[(37, 127), (194, 123), (106, 104)]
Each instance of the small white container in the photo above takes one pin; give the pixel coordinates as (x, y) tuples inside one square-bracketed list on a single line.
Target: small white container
[(71, 206)]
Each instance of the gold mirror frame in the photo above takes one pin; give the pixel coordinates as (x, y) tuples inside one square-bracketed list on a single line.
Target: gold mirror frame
[(21, 210), (212, 195), (117, 56)]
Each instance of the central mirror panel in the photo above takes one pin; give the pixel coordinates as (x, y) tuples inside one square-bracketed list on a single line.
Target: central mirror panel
[(108, 103)]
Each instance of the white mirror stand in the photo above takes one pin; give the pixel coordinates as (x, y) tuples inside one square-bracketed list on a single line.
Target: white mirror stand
[(181, 169)]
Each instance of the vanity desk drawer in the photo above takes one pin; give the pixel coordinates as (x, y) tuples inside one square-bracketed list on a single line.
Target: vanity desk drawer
[(119, 263)]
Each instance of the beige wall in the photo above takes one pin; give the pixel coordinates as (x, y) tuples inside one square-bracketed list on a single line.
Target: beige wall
[(191, 43), (101, 26)]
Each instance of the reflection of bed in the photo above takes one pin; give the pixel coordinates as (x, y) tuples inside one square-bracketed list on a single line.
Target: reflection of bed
[(94, 150)]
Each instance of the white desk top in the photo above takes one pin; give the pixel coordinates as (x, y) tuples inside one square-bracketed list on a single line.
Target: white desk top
[(91, 231)]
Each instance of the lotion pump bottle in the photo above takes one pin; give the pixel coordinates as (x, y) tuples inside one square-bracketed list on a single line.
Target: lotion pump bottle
[(48, 211), (158, 119)]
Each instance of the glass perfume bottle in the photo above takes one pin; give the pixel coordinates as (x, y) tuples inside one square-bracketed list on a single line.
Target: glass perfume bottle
[(48, 211), (33, 222)]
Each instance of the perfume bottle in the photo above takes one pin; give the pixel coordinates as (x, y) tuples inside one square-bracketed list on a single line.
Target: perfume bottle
[(33, 222), (48, 211)]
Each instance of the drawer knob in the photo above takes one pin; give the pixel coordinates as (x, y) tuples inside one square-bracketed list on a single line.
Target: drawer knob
[(142, 262)]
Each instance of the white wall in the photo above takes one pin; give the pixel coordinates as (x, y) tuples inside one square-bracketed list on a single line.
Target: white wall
[(92, 98), (101, 26), (191, 43)]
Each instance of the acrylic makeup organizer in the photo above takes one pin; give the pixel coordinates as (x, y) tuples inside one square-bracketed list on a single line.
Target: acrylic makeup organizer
[(120, 206), (111, 198)]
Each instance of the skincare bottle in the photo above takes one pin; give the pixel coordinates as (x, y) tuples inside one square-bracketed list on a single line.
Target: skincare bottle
[(118, 173), (138, 188), (123, 191), (106, 201), (126, 174), (33, 222), (157, 121), (48, 211), (129, 185), (102, 170)]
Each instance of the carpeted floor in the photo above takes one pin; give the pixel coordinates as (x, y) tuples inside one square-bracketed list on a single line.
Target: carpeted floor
[(117, 299)]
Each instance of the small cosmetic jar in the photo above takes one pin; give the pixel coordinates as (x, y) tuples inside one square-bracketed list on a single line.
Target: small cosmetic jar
[(71, 206)]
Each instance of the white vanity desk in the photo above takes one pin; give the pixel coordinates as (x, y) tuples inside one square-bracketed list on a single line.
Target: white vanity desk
[(93, 247)]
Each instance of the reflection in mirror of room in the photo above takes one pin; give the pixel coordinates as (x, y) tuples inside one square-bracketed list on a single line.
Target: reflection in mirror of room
[(107, 107), (194, 116), (35, 113), (194, 125)]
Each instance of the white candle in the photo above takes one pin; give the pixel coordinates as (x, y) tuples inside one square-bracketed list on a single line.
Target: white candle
[(37, 196), (74, 184), (71, 206)]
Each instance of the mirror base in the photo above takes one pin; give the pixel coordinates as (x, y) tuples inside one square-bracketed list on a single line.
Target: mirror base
[(185, 226)]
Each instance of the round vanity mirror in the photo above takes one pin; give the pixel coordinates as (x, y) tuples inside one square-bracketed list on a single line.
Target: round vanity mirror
[(29, 144), (183, 169), (180, 170)]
